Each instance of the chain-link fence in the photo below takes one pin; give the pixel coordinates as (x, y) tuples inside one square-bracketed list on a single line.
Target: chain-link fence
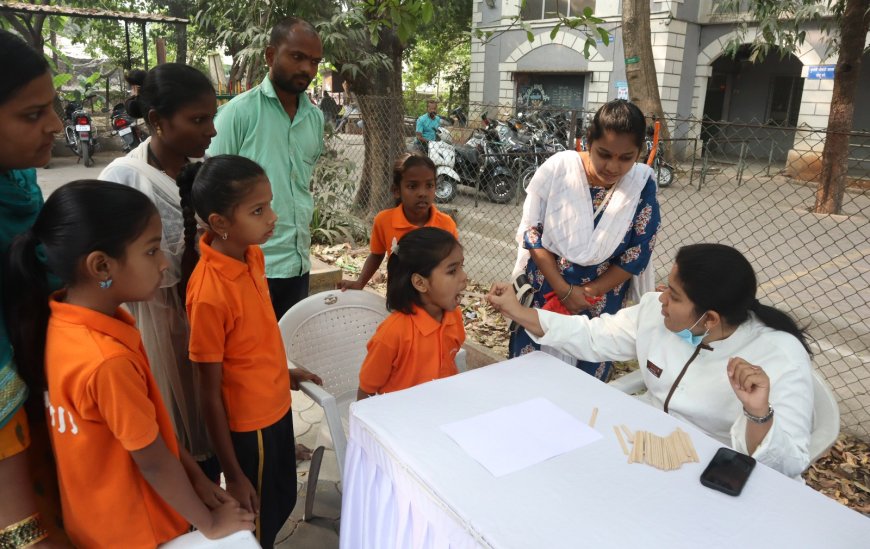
[(749, 185)]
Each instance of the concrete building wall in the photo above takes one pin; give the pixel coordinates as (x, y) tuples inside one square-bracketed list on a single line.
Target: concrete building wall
[(687, 39)]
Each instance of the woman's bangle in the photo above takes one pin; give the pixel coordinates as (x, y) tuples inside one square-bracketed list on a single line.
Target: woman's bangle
[(23, 533), (759, 419), (568, 293)]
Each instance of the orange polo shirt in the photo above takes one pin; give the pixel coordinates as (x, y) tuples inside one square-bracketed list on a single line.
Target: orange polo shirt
[(102, 403), (393, 225), (408, 350), (232, 322)]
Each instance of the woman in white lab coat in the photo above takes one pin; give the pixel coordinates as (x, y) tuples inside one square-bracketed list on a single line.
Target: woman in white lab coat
[(709, 353)]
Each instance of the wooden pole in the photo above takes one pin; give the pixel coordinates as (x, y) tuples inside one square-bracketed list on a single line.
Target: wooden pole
[(160, 44)]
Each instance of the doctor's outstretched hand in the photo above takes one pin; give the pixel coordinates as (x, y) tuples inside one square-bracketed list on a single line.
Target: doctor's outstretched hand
[(504, 300)]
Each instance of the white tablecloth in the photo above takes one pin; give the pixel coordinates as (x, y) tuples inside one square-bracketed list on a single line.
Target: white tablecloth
[(407, 484)]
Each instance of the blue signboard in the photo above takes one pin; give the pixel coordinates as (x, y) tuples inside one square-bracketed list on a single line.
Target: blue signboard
[(821, 72)]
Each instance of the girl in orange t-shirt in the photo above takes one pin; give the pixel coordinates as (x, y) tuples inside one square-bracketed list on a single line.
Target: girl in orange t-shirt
[(124, 481), (418, 342), (413, 188), (234, 337)]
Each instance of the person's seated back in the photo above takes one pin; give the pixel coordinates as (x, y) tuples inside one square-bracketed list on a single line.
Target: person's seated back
[(427, 124)]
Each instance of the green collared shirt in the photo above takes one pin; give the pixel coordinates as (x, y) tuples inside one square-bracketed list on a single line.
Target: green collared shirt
[(255, 125)]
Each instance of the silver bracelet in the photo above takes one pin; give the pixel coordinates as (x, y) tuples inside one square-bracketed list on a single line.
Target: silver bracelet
[(762, 419)]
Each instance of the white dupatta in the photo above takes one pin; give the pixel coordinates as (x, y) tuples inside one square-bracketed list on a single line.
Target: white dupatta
[(559, 198)]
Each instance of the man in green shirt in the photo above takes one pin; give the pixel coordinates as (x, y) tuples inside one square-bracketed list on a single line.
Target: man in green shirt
[(275, 125)]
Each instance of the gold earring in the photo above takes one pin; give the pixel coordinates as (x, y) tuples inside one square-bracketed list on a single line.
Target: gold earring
[(159, 132)]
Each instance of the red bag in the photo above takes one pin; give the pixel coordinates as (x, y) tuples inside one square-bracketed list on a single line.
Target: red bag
[(553, 304)]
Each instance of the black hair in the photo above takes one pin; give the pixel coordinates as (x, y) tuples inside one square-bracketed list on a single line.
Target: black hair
[(214, 186), (718, 278), (407, 161), (78, 218), (419, 251), (21, 65), (287, 25), (136, 77), (167, 88), (618, 116)]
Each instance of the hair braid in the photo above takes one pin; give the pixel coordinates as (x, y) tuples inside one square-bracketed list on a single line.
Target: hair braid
[(190, 256)]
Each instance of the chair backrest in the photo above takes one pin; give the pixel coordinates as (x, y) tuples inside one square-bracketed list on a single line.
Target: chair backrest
[(327, 333), (826, 418)]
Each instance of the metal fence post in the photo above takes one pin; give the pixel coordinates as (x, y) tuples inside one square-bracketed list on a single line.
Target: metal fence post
[(741, 163), (704, 165)]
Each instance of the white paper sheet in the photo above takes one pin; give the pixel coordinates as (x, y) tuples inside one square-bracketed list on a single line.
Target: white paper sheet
[(512, 438)]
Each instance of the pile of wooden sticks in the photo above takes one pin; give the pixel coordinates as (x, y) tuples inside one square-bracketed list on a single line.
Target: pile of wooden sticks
[(668, 453)]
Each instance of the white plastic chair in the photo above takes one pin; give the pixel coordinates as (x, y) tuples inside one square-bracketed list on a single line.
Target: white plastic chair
[(195, 540), (826, 413), (327, 333)]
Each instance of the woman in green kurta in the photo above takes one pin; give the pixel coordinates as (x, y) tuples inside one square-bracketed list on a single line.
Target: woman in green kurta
[(27, 477)]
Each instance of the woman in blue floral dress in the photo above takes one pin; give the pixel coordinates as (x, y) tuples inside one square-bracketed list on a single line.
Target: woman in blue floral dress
[(589, 226)]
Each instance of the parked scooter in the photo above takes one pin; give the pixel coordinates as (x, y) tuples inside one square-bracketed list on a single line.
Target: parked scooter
[(479, 164), (81, 137), (124, 126)]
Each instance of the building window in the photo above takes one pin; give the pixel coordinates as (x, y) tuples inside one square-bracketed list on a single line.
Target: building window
[(784, 100), (552, 9)]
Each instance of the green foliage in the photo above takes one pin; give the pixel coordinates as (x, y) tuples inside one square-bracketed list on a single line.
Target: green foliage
[(241, 29), (442, 48), (782, 24), (587, 22), (60, 80), (333, 185), (401, 16)]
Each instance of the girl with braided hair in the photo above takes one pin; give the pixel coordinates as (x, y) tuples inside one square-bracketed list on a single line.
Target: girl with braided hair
[(235, 343), (178, 102)]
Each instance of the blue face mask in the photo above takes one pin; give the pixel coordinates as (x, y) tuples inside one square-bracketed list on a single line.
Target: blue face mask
[(690, 338)]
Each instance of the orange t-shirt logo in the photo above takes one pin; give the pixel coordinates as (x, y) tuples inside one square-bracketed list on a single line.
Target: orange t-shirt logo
[(60, 417)]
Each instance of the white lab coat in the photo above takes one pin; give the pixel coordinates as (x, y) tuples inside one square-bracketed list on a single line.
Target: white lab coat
[(704, 396)]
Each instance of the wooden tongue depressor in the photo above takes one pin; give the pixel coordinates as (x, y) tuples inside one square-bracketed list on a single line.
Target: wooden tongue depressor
[(594, 417), (621, 441)]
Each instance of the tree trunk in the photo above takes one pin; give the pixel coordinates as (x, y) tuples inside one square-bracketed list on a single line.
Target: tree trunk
[(853, 29), (160, 48), (181, 43), (29, 27), (379, 95), (640, 67)]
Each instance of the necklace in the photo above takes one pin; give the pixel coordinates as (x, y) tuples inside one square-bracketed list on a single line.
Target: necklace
[(152, 159)]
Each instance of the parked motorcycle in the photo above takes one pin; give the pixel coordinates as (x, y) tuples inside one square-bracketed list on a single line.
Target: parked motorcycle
[(459, 117), (81, 137), (479, 163), (124, 126)]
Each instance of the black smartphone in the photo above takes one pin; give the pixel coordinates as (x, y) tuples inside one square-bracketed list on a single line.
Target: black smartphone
[(728, 471)]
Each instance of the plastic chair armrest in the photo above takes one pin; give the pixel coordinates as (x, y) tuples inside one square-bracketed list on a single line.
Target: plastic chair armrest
[(629, 383), (462, 361), (317, 393)]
